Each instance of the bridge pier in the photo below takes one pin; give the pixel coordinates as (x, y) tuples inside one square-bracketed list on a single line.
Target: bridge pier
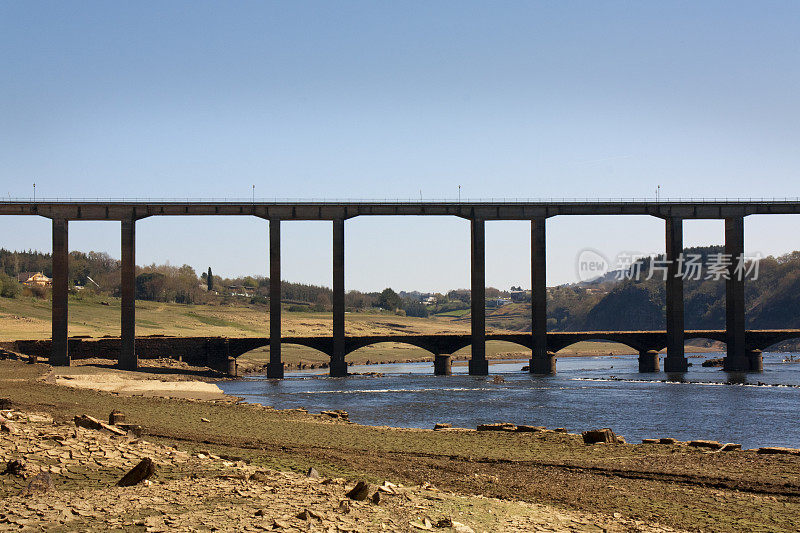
[(127, 354), (648, 361), (478, 365), (275, 366), (542, 361), (59, 355), (338, 366), (442, 365), (737, 359), (544, 366), (676, 359)]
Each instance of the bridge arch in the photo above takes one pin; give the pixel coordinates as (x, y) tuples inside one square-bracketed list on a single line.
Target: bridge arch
[(566, 343)]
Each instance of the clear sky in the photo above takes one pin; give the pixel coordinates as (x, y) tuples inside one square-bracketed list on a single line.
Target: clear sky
[(396, 100)]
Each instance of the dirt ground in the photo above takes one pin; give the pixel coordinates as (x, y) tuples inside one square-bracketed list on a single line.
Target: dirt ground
[(673, 485)]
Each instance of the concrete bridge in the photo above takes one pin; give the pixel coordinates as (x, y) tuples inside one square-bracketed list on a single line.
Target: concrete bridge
[(739, 356), (220, 353)]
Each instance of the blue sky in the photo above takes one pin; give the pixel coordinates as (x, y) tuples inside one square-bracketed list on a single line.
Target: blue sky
[(390, 100)]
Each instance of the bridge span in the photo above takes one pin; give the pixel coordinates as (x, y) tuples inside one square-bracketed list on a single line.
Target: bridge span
[(739, 357), (220, 353)]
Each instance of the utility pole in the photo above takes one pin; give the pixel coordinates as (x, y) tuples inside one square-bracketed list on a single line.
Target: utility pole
[(34, 193), (459, 194)]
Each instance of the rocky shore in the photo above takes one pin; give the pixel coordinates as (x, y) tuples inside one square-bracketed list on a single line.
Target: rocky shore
[(66, 476)]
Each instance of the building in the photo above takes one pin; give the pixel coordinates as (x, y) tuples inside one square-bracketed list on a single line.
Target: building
[(34, 279)]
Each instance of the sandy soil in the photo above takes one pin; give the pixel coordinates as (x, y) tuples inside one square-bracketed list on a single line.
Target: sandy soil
[(133, 384)]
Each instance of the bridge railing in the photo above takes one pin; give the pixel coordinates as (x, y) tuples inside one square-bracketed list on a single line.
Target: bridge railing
[(402, 201)]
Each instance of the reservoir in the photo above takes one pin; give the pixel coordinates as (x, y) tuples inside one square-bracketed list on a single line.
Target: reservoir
[(588, 392)]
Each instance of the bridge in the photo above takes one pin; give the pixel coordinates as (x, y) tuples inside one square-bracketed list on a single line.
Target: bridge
[(220, 353), (739, 356)]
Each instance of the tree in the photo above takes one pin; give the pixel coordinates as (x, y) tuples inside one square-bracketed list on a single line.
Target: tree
[(389, 300), (210, 280)]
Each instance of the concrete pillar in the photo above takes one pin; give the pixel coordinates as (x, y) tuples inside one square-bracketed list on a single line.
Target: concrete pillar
[(648, 361), (232, 367), (60, 354), (755, 361), (478, 365), (736, 360), (127, 354), (275, 366), (542, 361), (338, 365), (442, 365), (676, 360)]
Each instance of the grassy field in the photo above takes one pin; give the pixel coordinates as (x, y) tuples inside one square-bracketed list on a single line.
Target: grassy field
[(674, 485)]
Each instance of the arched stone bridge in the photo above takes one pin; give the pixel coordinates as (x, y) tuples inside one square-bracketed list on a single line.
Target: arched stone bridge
[(218, 352)]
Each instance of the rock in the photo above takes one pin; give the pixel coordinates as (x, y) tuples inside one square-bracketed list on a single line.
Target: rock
[(730, 447), (8, 427), (594, 436), (280, 524), (712, 444), (89, 422), (206, 420), (360, 492), (337, 413), (560, 430), (778, 450), (132, 429), (442, 425), (344, 506), (649, 441), (312, 473), (621, 440), (138, 473), (667, 440), (116, 418), (259, 512), (376, 498), (526, 368), (41, 482), (303, 515), (15, 467), (498, 379), (458, 527), (5, 404), (717, 361), (501, 426), (529, 429)]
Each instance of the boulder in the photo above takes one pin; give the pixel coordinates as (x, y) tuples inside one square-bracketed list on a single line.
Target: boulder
[(621, 440), (649, 441), (529, 429), (15, 467), (501, 426), (5, 404), (132, 429), (778, 450), (730, 447), (442, 425), (595, 436), (667, 440), (711, 444), (560, 430), (717, 361), (116, 418), (360, 492), (337, 413), (138, 473), (89, 422), (41, 482), (312, 473)]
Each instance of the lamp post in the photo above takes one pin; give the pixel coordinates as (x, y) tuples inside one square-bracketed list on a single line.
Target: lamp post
[(459, 194), (34, 193)]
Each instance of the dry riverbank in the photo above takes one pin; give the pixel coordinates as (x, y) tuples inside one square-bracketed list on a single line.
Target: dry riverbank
[(622, 486)]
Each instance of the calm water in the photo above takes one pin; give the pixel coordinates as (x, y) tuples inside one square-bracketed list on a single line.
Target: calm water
[(586, 393)]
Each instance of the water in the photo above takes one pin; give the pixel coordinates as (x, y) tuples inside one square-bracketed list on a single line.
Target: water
[(587, 392)]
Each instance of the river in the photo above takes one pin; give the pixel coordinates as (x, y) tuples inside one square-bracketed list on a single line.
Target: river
[(588, 392)]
